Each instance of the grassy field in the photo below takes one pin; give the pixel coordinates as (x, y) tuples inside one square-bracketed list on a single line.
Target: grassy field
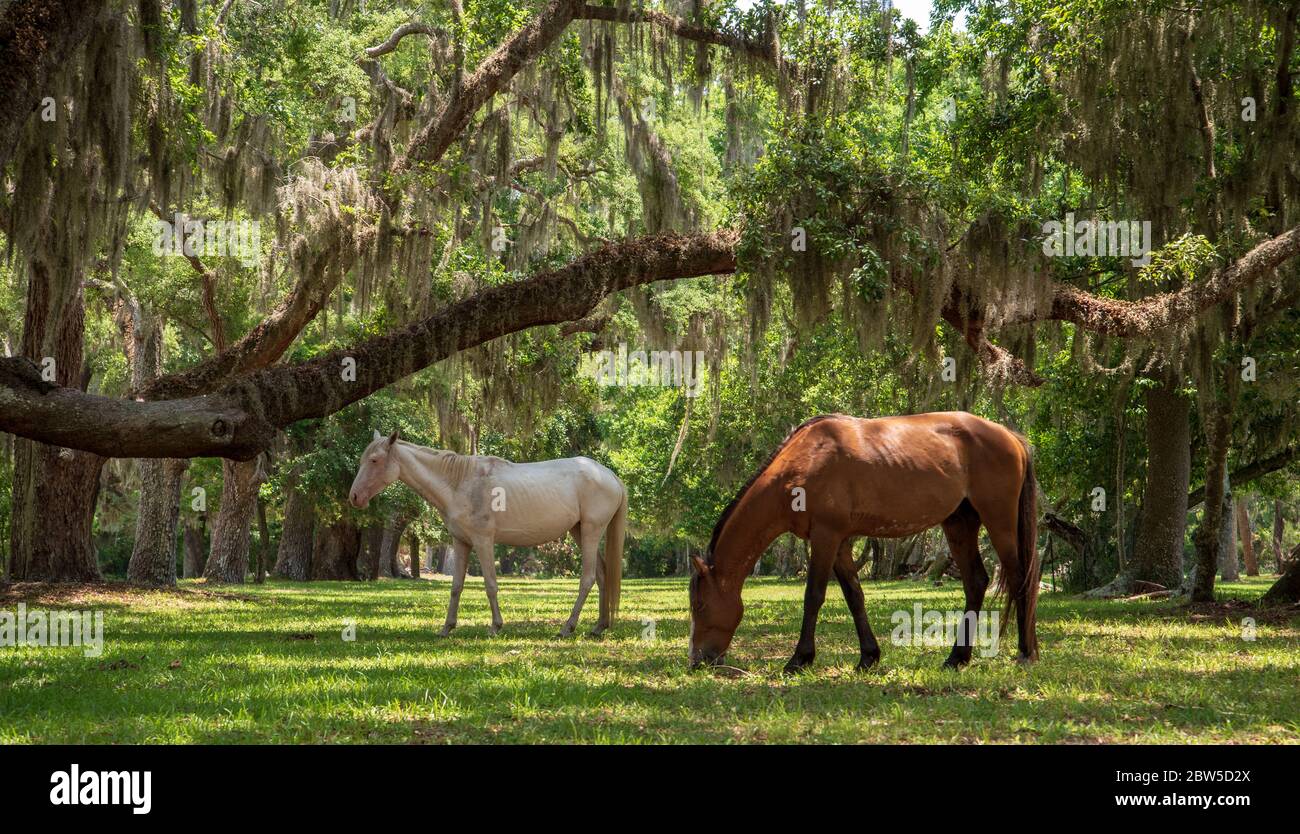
[(269, 664)]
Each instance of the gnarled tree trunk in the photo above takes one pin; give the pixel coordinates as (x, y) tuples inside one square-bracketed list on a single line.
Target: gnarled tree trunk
[(231, 532), (153, 559), (1158, 551), (293, 560), (336, 550), (54, 489), (194, 546)]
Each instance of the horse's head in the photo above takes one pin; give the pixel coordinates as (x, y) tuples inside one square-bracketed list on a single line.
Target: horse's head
[(378, 469), (716, 610)]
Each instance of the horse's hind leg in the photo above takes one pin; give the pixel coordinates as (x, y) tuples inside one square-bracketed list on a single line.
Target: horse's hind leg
[(847, 574), (589, 540), (824, 549), (962, 529)]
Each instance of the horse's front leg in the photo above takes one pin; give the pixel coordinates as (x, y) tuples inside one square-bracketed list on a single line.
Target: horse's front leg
[(460, 554), (824, 550), (487, 561)]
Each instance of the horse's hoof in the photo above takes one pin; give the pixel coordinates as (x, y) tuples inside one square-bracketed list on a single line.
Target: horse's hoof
[(797, 665), (445, 632), (565, 632), (495, 630), (867, 662), (596, 632), (955, 663), (1026, 660)]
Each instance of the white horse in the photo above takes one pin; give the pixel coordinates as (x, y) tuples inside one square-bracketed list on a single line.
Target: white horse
[(485, 500)]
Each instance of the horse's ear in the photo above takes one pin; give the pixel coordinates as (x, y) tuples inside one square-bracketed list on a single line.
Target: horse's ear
[(377, 436), (392, 438), (700, 567)]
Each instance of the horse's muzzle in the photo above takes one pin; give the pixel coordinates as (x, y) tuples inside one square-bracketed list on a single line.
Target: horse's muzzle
[(704, 657)]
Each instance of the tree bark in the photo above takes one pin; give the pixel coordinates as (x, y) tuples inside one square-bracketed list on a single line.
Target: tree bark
[(369, 563), (1229, 570), (1279, 529), (195, 548), (231, 532), (263, 542), (1286, 590), (390, 565), (336, 550), (1247, 537), (153, 559), (1218, 424), (415, 555), (153, 556), (293, 560), (1158, 551), (54, 489)]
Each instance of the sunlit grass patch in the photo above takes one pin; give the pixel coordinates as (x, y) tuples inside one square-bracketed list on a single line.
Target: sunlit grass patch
[(271, 664)]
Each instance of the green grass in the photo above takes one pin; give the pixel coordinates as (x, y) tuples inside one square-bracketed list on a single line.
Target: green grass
[(268, 664)]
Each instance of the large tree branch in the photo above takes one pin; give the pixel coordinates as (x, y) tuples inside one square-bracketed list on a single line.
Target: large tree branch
[(412, 28), (322, 269), (1249, 472), (764, 52), (240, 420), (433, 139), (37, 39), (1149, 316)]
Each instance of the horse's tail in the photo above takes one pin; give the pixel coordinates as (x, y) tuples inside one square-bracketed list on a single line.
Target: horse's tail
[(1027, 547), (614, 535)]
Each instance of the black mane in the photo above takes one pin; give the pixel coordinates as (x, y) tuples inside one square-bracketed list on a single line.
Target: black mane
[(722, 519)]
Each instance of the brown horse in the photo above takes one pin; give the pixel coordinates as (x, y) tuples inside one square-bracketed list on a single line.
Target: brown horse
[(835, 478)]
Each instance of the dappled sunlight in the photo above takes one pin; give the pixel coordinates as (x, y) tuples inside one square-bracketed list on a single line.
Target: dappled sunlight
[(272, 665)]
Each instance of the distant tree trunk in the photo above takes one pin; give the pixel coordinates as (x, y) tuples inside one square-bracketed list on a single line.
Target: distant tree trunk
[(194, 547), (415, 556), (1217, 419), (1228, 563), (1247, 537), (1158, 551), (153, 559), (263, 542), (372, 539), (231, 532), (390, 543), (293, 560), (335, 553), (1279, 528)]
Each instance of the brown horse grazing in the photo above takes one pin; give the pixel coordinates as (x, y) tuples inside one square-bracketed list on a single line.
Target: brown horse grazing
[(836, 478)]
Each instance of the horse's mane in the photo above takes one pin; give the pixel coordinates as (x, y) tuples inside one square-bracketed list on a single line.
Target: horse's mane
[(722, 519), (450, 465)]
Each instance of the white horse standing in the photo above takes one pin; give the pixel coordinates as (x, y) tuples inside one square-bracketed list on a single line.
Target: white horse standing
[(485, 500)]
